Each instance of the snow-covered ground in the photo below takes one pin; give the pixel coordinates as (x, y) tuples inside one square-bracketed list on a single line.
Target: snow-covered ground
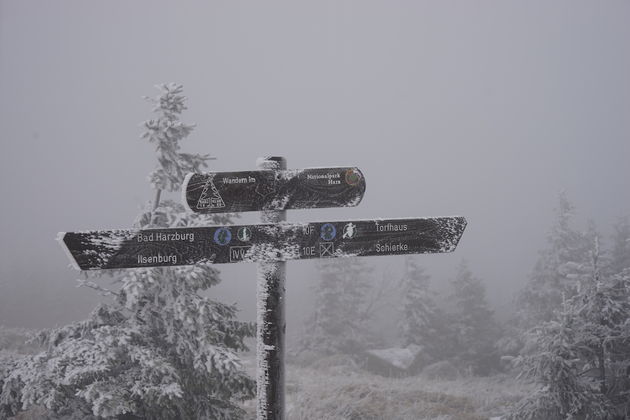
[(335, 389)]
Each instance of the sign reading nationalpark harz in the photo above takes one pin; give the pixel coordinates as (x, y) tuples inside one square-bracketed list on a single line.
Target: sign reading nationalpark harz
[(264, 242), (220, 192)]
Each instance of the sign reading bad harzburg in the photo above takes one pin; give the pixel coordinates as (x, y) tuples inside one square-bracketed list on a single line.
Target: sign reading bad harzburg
[(220, 192), (263, 242)]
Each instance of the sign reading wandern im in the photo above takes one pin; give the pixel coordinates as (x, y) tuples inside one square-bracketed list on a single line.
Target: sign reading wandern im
[(220, 192)]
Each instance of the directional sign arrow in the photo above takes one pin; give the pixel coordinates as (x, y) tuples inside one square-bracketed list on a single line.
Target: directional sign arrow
[(220, 192), (263, 242)]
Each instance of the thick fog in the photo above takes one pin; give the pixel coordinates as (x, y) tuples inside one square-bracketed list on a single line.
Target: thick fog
[(480, 109)]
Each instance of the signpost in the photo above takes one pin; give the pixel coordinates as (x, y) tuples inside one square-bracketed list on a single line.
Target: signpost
[(271, 190), (270, 320)]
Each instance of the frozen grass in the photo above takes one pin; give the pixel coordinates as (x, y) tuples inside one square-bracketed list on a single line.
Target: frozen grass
[(335, 389)]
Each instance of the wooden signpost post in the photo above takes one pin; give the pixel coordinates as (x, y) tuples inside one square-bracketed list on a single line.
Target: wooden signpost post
[(272, 189), (271, 322)]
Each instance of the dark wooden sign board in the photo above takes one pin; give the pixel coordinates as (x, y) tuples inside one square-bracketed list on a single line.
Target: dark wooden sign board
[(97, 250), (221, 192)]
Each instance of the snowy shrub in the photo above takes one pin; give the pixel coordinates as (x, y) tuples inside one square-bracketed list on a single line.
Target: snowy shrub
[(556, 368), (158, 349), (581, 360)]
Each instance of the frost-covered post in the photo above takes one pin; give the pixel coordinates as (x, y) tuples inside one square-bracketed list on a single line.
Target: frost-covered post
[(271, 320)]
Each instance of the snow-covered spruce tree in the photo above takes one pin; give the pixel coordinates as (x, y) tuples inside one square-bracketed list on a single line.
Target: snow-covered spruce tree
[(339, 324), (581, 360), (421, 320), (9, 404), (618, 269), (554, 275), (159, 350), (601, 312), (620, 253), (473, 322), (556, 366)]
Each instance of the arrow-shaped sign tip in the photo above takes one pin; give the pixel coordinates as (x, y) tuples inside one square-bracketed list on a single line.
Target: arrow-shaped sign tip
[(73, 262)]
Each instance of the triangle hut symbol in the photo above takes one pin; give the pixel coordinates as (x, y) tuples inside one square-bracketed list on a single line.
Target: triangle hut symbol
[(210, 197)]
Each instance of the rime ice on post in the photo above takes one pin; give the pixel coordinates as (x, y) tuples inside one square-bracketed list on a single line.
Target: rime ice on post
[(271, 320)]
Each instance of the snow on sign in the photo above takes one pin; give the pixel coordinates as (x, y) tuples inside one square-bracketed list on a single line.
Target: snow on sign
[(220, 192), (97, 250)]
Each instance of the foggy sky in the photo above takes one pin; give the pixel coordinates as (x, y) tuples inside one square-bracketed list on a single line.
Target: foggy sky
[(482, 109)]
